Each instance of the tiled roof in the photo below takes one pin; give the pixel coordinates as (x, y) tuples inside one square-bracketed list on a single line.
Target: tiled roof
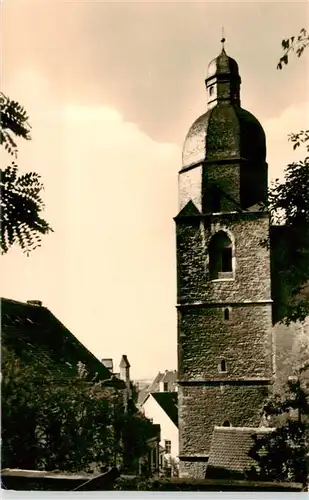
[(168, 402), (168, 376), (229, 449), (35, 335), (142, 395)]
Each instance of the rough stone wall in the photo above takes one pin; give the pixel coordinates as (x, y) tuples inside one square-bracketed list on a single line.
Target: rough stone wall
[(227, 177), (190, 187), (196, 185), (195, 469), (208, 396), (203, 406), (244, 341), (252, 263)]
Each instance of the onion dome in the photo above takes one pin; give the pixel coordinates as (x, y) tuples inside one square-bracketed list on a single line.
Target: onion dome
[(225, 131), (223, 64)]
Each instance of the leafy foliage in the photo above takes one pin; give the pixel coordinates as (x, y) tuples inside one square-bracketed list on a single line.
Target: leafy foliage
[(21, 203), (65, 424), (282, 455), (14, 119), (294, 44), (288, 202), (289, 205)]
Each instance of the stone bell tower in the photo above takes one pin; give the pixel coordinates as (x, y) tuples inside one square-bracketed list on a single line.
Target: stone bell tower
[(225, 348)]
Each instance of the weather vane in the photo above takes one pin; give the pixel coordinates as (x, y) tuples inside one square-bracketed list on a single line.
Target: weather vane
[(223, 38)]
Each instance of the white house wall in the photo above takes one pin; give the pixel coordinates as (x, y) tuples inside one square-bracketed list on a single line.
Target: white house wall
[(169, 431)]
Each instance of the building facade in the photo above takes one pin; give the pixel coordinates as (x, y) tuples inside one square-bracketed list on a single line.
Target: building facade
[(161, 408), (225, 336)]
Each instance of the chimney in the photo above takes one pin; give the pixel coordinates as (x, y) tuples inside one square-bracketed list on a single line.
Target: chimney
[(125, 376), (124, 368), (38, 303), (108, 363)]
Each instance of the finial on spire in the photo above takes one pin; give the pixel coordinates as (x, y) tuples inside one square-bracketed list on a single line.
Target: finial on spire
[(222, 39)]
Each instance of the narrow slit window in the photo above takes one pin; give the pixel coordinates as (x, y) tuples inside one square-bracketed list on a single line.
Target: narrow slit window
[(223, 365), (211, 90), (226, 314)]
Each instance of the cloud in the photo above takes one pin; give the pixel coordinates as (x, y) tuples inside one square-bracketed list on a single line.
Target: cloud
[(148, 59), (111, 91), (280, 151), (111, 195)]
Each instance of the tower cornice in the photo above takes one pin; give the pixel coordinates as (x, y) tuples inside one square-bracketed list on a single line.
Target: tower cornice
[(202, 304), (230, 381), (236, 215), (218, 161)]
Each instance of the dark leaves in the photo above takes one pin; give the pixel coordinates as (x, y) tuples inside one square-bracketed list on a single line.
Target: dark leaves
[(14, 120), (71, 424), (21, 203), (282, 455), (288, 202), (295, 44)]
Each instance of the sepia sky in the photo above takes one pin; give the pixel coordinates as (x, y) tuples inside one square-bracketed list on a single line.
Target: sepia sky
[(111, 90)]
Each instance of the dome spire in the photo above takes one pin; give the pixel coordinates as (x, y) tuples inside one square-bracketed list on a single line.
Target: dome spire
[(223, 80), (222, 40)]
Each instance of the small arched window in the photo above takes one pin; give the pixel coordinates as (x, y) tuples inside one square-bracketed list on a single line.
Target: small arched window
[(220, 256), (226, 423), (226, 314), (223, 366)]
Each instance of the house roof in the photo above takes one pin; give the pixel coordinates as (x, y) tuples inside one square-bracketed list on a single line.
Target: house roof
[(167, 376), (229, 449), (168, 402), (35, 335)]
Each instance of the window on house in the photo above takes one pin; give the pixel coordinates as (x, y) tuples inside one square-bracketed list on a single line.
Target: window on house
[(226, 423), (211, 90), (220, 256), (226, 314), (165, 386), (223, 366), (168, 446)]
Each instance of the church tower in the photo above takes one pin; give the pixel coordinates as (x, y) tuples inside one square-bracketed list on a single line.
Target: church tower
[(225, 348)]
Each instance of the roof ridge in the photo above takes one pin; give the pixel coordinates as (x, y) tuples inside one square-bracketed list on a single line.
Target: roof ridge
[(20, 302)]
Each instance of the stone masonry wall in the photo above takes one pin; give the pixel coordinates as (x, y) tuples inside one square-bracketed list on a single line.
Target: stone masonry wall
[(195, 469), (190, 187), (201, 407), (208, 396), (244, 342), (227, 177), (252, 263)]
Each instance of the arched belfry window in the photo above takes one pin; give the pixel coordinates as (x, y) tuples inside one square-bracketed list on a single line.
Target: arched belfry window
[(226, 423), (220, 256)]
